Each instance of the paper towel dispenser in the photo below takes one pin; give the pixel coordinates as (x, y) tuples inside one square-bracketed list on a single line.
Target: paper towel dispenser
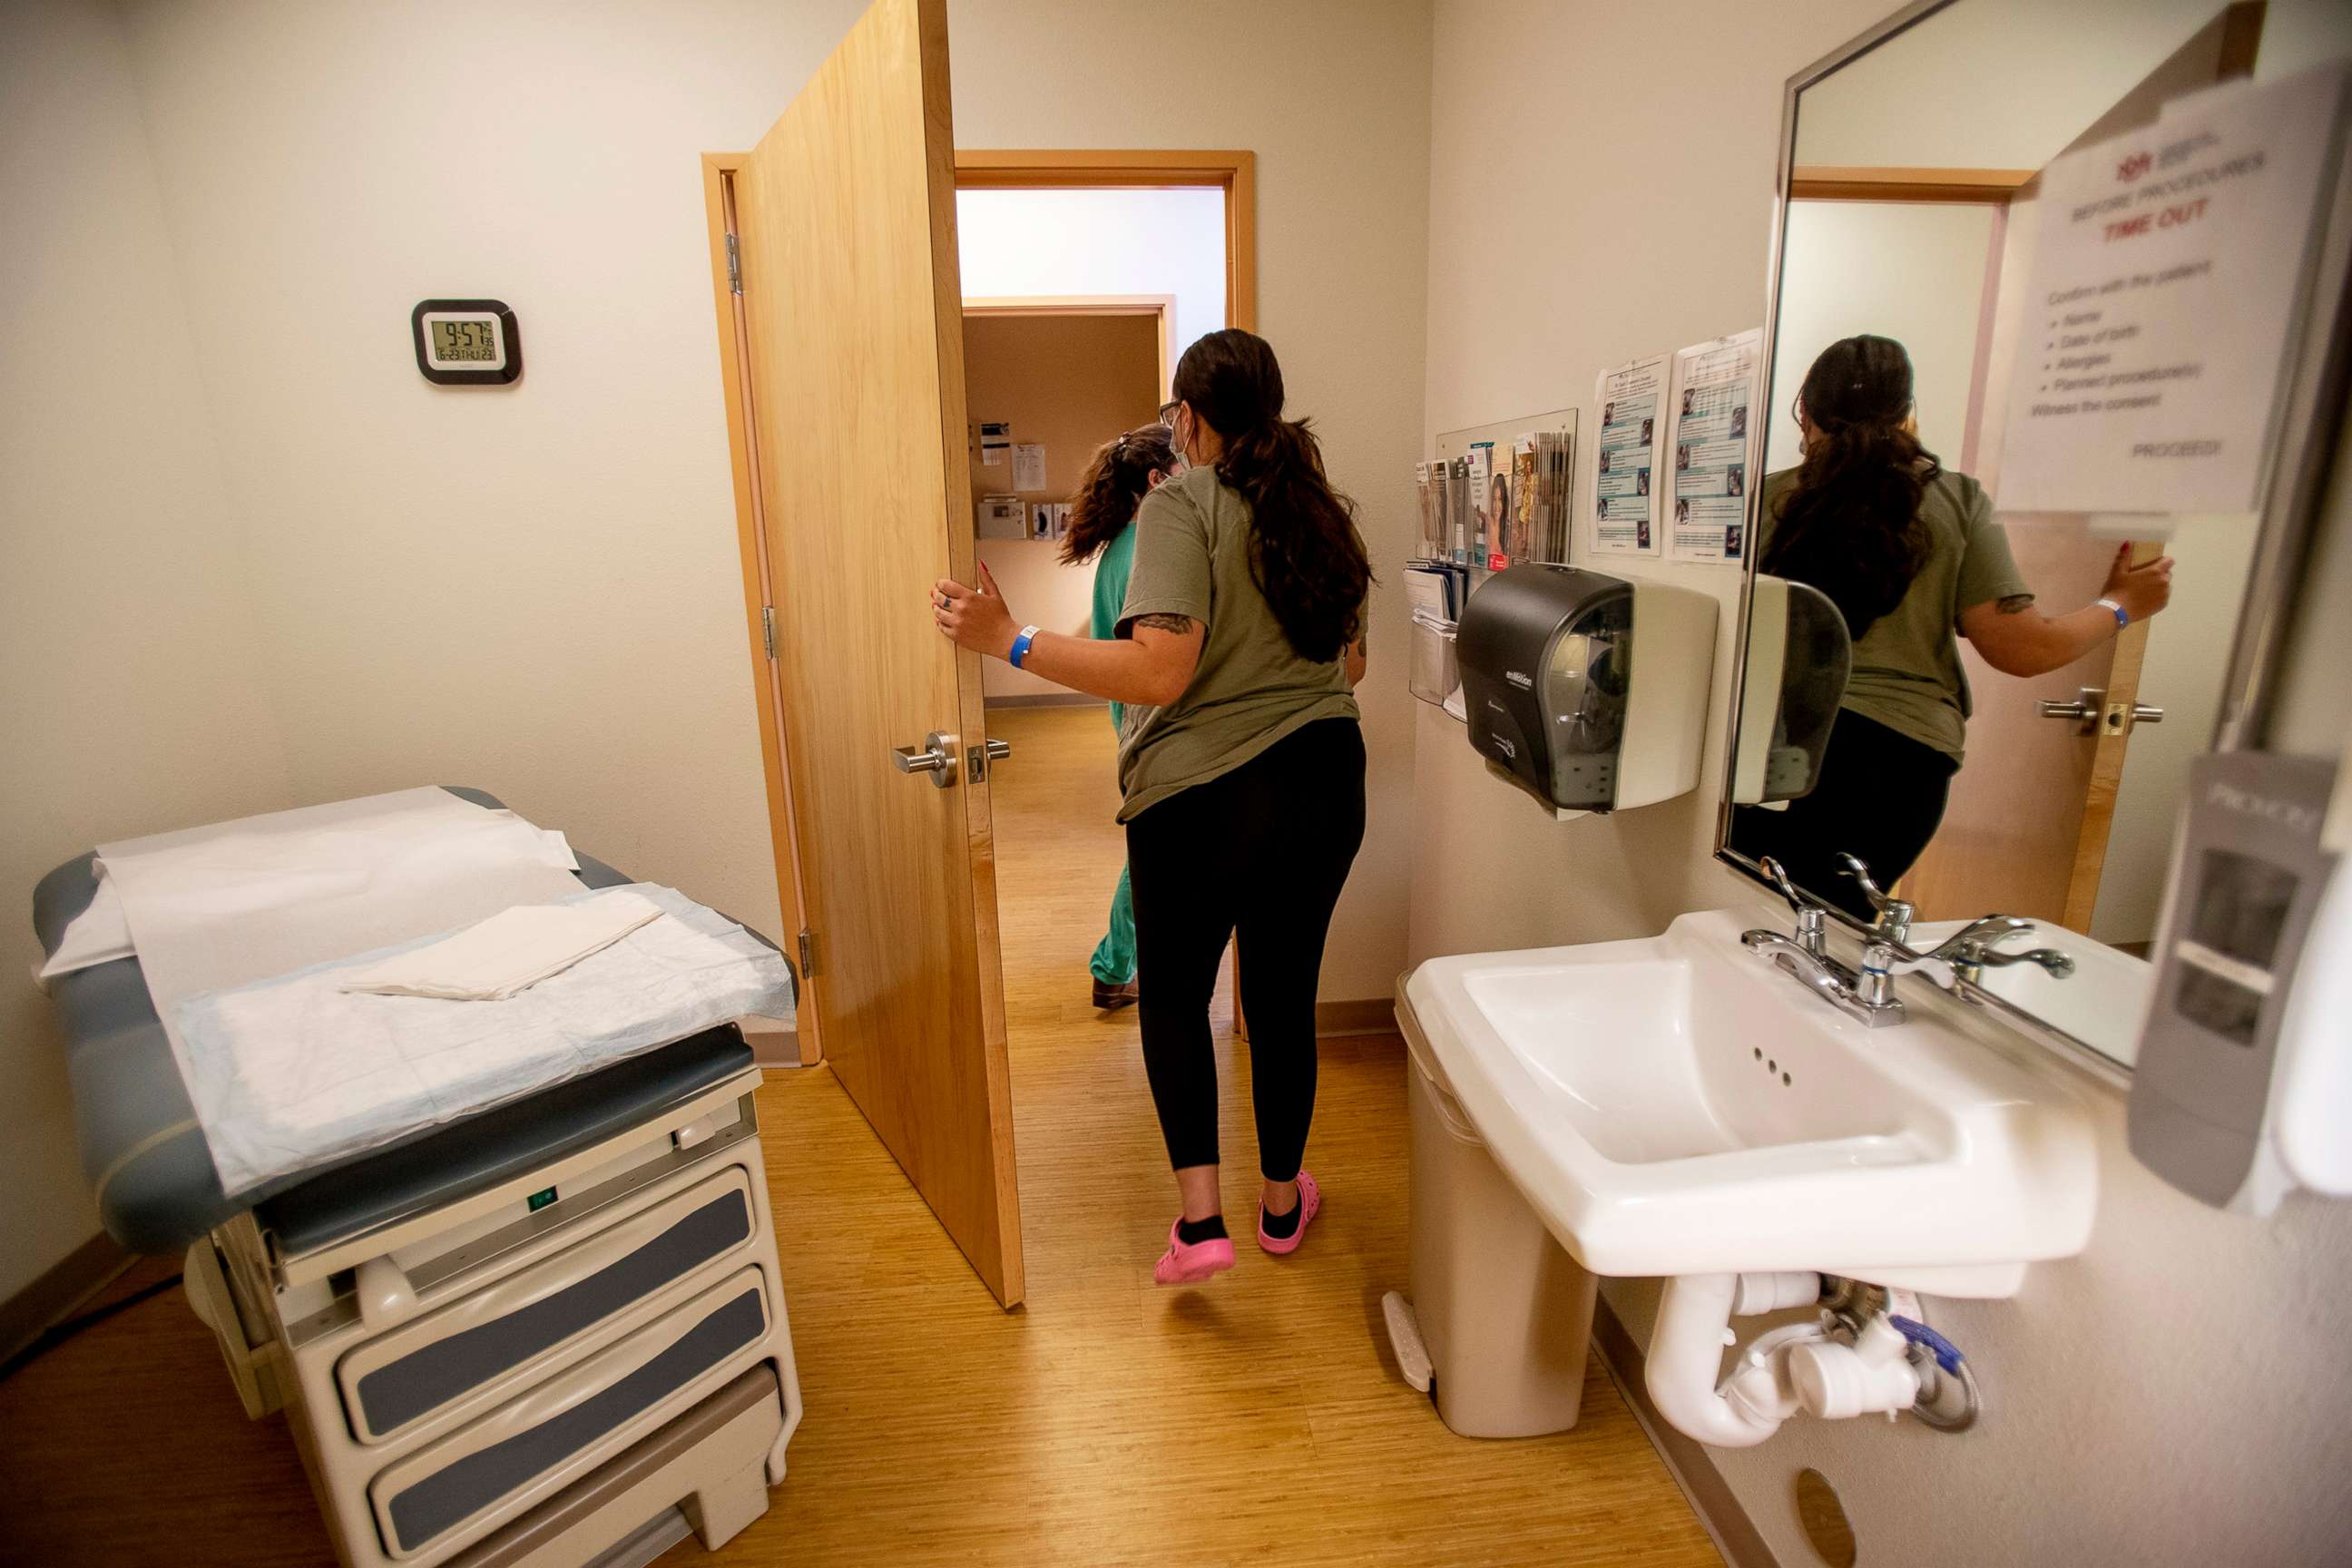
[(1588, 691), (1800, 656)]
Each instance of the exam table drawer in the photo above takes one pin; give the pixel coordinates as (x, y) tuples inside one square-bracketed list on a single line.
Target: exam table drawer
[(532, 1318), (526, 1449)]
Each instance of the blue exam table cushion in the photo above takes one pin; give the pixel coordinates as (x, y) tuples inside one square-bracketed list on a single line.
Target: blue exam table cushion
[(144, 1152)]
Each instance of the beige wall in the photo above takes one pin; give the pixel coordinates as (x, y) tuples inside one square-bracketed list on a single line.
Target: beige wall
[(1072, 383), (535, 589), (2145, 1403), (131, 689)]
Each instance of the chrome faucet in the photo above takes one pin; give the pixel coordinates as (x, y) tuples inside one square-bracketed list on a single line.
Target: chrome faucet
[(1895, 916), (1971, 950), (1805, 956)]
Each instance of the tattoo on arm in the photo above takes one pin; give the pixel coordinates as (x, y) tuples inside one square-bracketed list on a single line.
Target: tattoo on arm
[(2015, 604), (1165, 623)]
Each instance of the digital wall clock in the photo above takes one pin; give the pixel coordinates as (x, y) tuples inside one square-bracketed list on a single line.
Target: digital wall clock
[(467, 343)]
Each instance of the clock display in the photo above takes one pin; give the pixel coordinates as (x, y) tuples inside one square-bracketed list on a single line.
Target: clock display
[(460, 342), (465, 342)]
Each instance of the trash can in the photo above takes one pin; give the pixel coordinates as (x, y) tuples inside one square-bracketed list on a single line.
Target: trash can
[(1504, 1313)]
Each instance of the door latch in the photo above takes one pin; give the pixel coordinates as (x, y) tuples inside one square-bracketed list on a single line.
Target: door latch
[(979, 759)]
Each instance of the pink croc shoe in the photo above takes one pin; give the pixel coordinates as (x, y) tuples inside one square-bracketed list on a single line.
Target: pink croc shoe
[(1190, 1262), (1310, 1198)]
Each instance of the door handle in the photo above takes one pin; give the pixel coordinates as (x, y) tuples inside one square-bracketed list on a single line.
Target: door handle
[(2142, 713), (990, 752), (934, 758), (2090, 701)]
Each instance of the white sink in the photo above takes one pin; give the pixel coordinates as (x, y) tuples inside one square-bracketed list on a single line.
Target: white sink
[(2103, 1003), (1680, 1105)]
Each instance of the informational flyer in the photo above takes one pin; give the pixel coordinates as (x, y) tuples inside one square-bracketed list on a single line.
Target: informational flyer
[(1028, 465), (1632, 400), (1713, 442), (2169, 267)]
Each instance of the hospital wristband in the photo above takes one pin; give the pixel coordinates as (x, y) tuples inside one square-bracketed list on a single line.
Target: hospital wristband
[(2122, 616), (1021, 647)]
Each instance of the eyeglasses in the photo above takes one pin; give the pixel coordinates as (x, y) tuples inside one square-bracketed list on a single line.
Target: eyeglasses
[(1168, 412)]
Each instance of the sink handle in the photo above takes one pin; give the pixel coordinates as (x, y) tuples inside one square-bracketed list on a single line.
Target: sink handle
[(1774, 870), (1895, 915)]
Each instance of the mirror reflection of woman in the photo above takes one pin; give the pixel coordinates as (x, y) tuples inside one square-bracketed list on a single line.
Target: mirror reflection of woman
[(1909, 553)]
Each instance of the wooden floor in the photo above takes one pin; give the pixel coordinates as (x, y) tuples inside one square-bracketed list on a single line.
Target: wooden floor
[(1255, 1420)]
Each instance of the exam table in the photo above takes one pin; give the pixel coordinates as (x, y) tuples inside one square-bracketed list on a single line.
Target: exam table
[(548, 1334)]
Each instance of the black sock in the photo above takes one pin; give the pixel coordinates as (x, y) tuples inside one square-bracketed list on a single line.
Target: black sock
[(1193, 1232), (1282, 1227)]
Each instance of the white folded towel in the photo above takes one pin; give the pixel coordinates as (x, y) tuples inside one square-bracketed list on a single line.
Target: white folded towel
[(508, 954)]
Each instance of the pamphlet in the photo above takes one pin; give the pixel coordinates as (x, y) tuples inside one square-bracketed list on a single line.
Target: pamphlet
[(1633, 431), (1714, 443)]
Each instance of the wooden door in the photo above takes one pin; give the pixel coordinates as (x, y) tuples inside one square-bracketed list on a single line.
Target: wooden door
[(2026, 830), (853, 331)]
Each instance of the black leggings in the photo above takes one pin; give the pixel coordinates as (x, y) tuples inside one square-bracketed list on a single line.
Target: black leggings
[(1881, 796), (1265, 848)]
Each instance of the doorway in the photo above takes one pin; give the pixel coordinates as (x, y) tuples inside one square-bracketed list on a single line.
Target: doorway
[(785, 431)]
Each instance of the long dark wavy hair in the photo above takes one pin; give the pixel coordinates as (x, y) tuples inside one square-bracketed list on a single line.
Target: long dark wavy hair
[(1118, 478), (1850, 524), (1304, 553)]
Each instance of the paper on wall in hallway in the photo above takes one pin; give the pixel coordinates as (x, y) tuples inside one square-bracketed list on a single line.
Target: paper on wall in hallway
[(1713, 442), (1631, 399), (1028, 465), (995, 437)]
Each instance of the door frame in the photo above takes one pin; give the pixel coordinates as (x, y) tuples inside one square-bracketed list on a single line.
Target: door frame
[(1161, 307), (1233, 170)]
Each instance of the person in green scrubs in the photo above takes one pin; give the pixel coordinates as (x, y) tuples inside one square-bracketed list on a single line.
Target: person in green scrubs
[(1102, 529)]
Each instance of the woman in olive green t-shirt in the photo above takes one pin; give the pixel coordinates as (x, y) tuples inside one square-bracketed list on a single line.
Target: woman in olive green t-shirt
[(1911, 555), (1241, 764)]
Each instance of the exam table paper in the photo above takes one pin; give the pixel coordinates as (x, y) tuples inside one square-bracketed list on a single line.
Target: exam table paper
[(294, 1072), (101, 933), (215, 906), (509, 952)]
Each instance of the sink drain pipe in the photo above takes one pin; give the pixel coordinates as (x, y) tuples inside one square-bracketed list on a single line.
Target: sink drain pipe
[(1687, 1351), (1865, 1354)]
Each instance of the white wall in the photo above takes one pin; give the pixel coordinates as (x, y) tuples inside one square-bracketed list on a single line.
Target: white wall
[(1913, 271), (130, 689), (531, 589), (564, 627), (1013, 244), (2142, 1407), (1962, 89)]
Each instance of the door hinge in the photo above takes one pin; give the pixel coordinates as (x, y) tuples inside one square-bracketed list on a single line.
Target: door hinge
[(767, 627), (734, 266), (808, 952)]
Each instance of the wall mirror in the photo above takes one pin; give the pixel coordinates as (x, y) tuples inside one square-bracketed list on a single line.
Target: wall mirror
[(1911, 194)]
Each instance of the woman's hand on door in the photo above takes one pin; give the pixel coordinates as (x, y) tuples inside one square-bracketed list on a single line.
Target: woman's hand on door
[(976, 619)]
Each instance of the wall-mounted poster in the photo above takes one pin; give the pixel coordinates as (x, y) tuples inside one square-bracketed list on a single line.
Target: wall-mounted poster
[(1713, 442), (2169, 267), (1633, 402)]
